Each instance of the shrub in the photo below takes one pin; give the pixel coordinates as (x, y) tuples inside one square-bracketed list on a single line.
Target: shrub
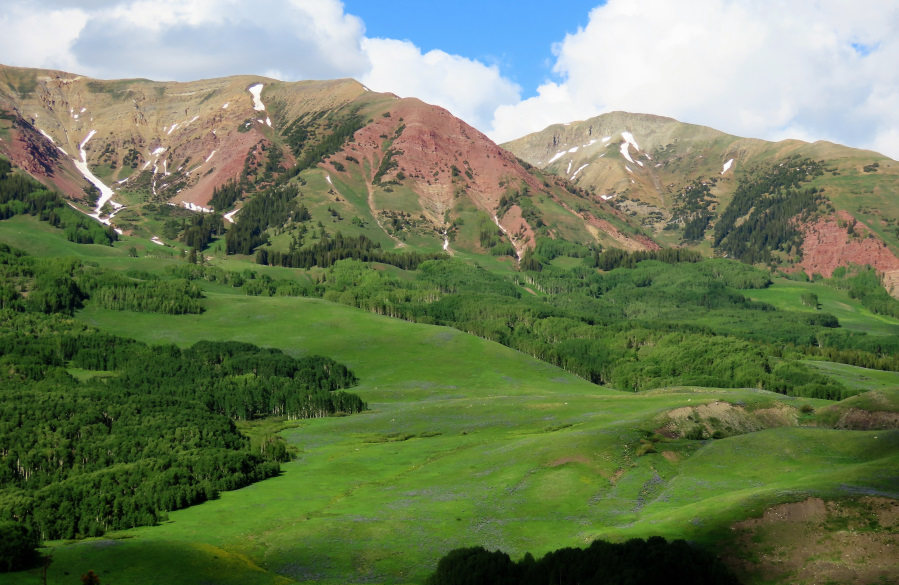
[(697, 433), (17, 546)]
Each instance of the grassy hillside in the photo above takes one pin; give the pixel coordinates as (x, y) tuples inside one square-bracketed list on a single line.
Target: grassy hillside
[(467, 442)]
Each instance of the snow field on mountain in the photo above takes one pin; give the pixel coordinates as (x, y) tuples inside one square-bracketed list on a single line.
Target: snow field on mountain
[(256, 90)]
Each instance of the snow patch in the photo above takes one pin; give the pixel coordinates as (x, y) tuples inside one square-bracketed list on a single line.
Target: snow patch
[(328, 178), (569, 168), (47, 136), (629, 169), (192, 120), (573, 149), (157, 241), (556, 157), (579, 170), (195, 207), (256, 90), (83, 110), (607, 197), (230, 215), (85, 141), (268, 121), (639, 163), (225, 107), (159, 150), (629, 138), (172, 129), (727, 166), (606, 139), (105, 192), (209, 158)]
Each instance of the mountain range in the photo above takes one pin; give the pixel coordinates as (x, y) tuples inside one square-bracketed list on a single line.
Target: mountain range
[(405, 173)]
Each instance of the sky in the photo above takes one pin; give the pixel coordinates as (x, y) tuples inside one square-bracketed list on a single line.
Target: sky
[(771, 69)]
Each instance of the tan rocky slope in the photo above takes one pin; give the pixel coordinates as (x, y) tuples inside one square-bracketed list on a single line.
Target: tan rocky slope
[(142, 142), (646, 165)]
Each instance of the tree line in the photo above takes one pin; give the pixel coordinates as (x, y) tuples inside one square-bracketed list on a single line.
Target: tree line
[(329, 250), (633, 562)]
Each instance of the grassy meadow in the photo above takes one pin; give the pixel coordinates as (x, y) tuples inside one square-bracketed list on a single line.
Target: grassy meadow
[(467, 443)]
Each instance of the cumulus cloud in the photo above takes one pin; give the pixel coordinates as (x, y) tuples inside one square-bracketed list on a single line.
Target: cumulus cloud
[(810, 69), (192, 39), (469, 89), (41, 39)]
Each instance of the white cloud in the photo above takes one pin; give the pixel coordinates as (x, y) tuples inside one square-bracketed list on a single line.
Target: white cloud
[(193, 39), (40, 39), (469, 89), (553, 103), (819, 69)]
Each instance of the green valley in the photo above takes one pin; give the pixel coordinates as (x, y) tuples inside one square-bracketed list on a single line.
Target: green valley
[(466, 442)]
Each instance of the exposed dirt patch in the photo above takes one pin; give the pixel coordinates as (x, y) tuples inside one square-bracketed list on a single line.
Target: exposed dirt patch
[(828, 244), (864, 420), (851, 541), (573, 459), (671, 456), (724, 418), (225, 165), (442, 158), (36, 155)]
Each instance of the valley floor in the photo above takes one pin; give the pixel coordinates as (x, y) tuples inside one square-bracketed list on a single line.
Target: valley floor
[(467, 443)]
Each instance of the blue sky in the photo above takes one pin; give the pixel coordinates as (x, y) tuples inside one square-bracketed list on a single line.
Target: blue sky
[(518, 37), (806, 69)]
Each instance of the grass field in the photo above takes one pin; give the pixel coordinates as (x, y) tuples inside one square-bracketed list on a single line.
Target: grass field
[(467, 443), (785, 294), (855, 377)]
